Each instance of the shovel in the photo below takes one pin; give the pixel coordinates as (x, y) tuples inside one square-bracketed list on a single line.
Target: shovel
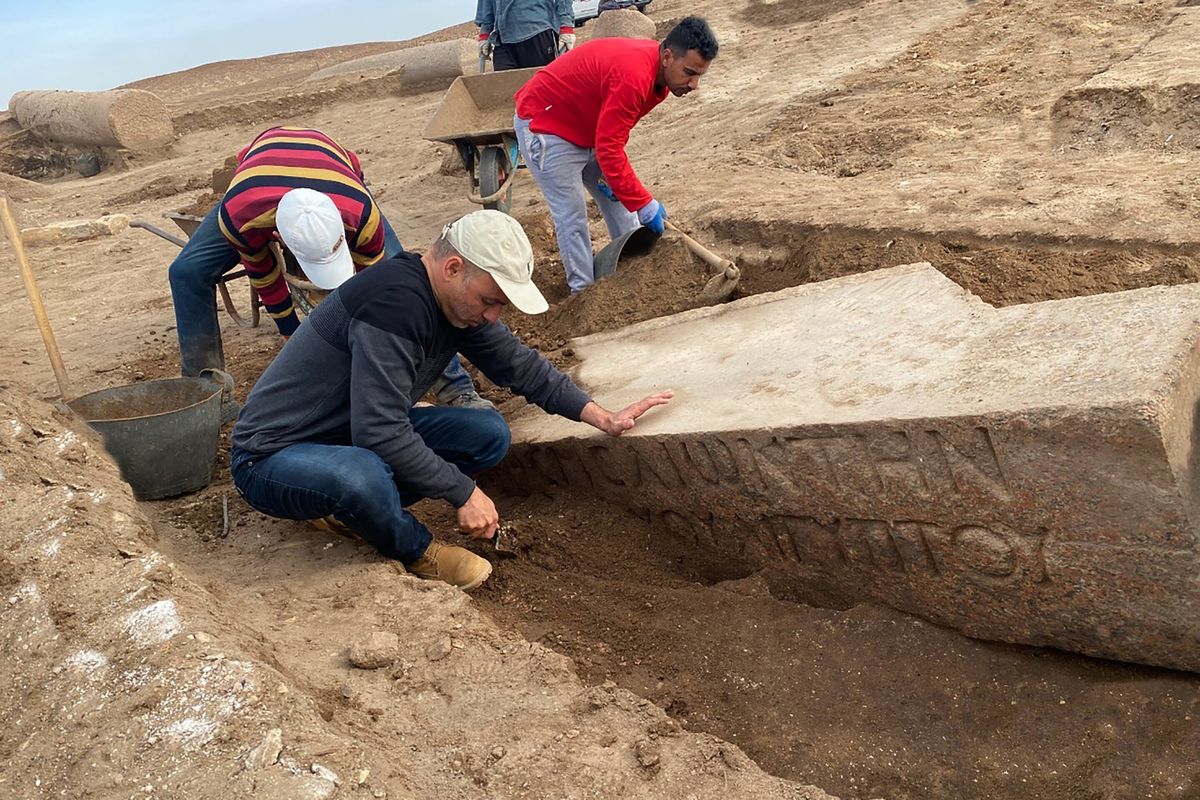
[(719, 286), (13, 232), (642, 240), (502, 542)]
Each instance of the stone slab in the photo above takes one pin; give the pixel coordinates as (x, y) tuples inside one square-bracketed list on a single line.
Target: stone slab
[(75, 230), (1024, 474)]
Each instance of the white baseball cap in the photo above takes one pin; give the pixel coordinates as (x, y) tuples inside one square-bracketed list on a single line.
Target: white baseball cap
[(495, 242), (312, 228)]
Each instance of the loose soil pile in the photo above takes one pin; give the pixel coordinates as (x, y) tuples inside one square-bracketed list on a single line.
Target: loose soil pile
[(665, 281), (130, 669), (789, 12), (1000, 273)]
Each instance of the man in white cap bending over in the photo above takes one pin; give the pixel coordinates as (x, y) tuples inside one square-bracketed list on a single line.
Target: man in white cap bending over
[(331, 429), (300, 187)]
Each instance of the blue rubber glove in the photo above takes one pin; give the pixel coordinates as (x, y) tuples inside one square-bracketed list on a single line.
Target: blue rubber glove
[(654, 216), (606, 190)]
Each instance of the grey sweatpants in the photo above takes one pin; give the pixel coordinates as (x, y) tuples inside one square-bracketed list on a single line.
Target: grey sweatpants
[(562, 171)]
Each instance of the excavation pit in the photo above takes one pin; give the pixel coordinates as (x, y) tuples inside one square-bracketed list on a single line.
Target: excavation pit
[(816, 685)]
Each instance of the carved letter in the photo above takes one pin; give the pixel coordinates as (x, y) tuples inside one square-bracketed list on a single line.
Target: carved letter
[(813, 542), (815, 469), (655, 464), (984, 552), (602, 457), (852, 462), (548, 465), (911, 540), (898, 464), (973, 462)]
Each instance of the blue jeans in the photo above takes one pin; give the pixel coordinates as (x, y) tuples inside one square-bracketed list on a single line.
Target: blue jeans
[(309, 481), (194, 275)]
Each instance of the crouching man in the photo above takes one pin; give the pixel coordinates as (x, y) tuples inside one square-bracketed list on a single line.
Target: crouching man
[(330, 429)]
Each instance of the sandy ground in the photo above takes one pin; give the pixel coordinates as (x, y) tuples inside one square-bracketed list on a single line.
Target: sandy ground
[(830, 137)]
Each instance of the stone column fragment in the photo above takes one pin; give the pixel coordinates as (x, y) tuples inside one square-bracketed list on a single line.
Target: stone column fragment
[(129, 118), (425, 67)]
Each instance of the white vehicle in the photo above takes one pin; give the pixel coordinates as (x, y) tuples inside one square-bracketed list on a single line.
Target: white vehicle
[(590, 9)]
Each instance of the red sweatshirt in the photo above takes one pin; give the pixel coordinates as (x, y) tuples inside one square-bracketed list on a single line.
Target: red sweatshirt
[(592, 96), (276, 162)]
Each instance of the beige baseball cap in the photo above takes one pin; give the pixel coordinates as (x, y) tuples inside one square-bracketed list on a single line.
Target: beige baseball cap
[(311, 226), (495, 242)]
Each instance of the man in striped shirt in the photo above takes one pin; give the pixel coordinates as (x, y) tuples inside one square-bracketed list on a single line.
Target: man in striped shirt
[(243, 225)]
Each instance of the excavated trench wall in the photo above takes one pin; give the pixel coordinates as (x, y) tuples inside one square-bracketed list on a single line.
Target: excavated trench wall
[(1022, 474)]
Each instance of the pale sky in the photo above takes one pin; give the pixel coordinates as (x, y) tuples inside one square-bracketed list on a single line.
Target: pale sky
[(99, 44)]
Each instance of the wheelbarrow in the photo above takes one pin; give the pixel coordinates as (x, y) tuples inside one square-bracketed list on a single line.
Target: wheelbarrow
[(305, 294), (476, 116)]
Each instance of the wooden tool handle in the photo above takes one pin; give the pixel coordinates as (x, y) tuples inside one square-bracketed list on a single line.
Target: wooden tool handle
[(35, 297), (704, 254)]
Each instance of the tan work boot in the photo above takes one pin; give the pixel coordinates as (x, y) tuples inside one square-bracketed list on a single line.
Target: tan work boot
[(456, 566), (331, 524)]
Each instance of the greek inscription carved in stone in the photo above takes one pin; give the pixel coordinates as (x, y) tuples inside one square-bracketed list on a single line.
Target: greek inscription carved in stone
[(892, 464), (990, 554)]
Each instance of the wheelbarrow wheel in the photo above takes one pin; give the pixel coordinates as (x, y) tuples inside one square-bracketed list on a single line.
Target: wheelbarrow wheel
[(493, 170)]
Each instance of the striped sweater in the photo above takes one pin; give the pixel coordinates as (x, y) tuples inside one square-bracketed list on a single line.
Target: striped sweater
[(277, 161)]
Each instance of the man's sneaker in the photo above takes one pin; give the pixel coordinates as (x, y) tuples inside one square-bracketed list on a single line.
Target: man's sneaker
[(456, 566), (470, 399)]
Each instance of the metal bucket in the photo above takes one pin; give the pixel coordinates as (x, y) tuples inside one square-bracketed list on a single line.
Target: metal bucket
[(636, 242), (162, 434)]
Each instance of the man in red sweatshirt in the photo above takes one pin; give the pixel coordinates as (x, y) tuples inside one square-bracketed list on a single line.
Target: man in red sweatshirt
[(573, 120)]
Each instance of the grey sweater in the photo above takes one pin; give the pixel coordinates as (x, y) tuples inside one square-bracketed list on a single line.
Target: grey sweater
[(366, 354)]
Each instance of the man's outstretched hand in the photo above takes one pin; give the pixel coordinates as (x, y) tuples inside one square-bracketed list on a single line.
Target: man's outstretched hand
[(478, 516), (623, 420)]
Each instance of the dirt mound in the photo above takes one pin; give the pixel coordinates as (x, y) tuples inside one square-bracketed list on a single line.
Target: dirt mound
[(277, 106), (202, 204), (193, 88), (1157, 119), (235, 74), (116, 677), (20, 188), (998, 272), (790, 12), (158, 188), (665, 281), (122, 672), (842, 151)]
